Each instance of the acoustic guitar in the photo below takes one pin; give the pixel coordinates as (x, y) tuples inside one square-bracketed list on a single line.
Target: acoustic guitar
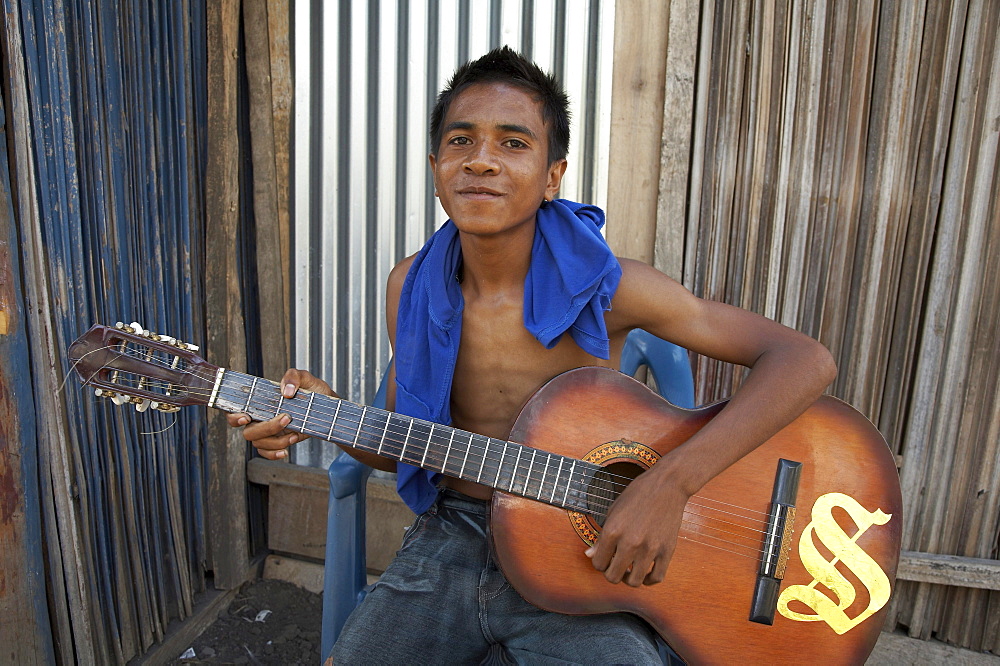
[(788, 556)]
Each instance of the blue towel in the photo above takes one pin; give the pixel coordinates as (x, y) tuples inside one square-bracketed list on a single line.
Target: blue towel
[(572, 276)]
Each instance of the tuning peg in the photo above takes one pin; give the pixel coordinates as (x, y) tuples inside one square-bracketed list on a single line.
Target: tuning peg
[(104, 393), (119, 399), (141, 404), (163, 407)]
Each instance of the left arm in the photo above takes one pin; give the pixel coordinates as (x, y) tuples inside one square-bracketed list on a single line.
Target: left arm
[(789, 371)]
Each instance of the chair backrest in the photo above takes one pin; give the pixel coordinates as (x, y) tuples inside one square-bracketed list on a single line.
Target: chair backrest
[(668, 363)]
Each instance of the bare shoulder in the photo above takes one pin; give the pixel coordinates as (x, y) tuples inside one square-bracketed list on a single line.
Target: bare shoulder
[(393, 289), (394, 284)]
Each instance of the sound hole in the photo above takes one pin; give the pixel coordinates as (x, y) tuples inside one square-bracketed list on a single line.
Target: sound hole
[(606, 485)]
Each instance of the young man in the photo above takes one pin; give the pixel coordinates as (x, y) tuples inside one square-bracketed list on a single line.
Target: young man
[(515, 289)]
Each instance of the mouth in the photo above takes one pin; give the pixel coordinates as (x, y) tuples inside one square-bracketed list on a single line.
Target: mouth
[(479, 193)]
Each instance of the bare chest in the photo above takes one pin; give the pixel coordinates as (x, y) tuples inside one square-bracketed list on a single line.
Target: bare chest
[(500, 365)]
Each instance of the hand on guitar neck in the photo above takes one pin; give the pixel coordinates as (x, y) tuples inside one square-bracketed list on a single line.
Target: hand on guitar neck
[(272, 438)]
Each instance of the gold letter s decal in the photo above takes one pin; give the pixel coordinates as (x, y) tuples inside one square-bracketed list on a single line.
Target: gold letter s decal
[(844, 549)]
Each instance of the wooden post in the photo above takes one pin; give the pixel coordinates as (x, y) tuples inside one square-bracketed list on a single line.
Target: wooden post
[(270, 284), (636, 126), (279, 30), (226, 342)]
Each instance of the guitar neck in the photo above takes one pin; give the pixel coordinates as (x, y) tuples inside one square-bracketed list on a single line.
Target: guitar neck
[(502, 465)]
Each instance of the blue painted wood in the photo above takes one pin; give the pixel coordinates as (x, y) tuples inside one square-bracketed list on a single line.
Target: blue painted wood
[(24, 636), (116, 91)]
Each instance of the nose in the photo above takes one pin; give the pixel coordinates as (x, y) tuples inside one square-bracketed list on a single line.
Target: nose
[(482, 160)]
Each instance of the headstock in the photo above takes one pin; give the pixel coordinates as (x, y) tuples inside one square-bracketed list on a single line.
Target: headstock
[(131, 364)]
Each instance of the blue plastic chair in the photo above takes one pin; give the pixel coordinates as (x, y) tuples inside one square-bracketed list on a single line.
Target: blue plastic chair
[(668, 363), (345, 576)]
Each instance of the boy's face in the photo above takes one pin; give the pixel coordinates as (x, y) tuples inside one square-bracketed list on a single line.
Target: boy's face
[(491, 170)]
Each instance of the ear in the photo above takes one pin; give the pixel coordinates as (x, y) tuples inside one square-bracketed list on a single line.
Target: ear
[(556, 171), (433, 162)]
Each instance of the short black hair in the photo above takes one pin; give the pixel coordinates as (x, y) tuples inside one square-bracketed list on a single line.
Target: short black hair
[(504, 65)]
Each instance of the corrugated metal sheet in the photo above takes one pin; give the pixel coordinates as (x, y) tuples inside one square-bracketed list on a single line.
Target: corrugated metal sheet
[(366, 77)]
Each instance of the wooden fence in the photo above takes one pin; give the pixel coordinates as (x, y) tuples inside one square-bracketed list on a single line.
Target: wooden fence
[(833, 165)]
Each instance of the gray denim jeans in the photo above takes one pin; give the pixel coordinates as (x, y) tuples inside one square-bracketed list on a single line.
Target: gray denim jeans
[(444, 601)]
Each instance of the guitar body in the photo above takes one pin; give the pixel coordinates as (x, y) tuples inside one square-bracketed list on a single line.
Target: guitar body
[(848, 500)]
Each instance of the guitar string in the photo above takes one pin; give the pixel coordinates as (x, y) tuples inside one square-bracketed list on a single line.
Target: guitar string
[(272, 406), (268, 402), (518, 469), (705, 523), (208, 378)]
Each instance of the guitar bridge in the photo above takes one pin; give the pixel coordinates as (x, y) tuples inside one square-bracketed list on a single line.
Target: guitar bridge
[(777, 542)]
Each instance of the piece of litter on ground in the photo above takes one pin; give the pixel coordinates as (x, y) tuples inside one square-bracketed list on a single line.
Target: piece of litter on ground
[(262, 616), (189, 654)]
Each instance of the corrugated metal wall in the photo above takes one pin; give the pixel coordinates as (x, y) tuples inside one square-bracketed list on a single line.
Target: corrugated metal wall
[(366, 77)]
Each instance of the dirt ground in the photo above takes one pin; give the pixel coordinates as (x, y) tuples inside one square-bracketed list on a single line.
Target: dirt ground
[(269, 622)]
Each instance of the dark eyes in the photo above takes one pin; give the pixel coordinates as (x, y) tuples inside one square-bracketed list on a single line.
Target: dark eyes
[(466, 141)]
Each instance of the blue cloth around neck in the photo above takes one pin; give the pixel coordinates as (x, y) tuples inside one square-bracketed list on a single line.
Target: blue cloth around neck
[(570, 282)]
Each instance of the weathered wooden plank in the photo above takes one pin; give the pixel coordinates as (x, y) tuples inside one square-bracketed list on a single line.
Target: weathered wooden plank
[(935, 90), (954, 282), (298, 500), (226, 508), (271, 472), (279, 38), (296, 519), (675, 151), (72, 602), (974, 572), (636, 126), (25, 634), (270, 280)]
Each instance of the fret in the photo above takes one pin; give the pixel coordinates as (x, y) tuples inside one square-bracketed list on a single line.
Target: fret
[(465, 459), (541, 482), (496, 481), (447, 451), (253, 386), (361, 422), (423, 458), (333, 422), (308, 407), (281, 397), (555, 481), (482, 463), (513, 475), (385, 429), (569, 482), (402, 452), (531, 469)]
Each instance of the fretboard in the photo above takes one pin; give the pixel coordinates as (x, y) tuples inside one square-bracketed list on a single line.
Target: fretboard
[(499, 464)]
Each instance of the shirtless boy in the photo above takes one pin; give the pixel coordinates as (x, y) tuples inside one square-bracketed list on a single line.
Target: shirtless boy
[(499, 138)]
